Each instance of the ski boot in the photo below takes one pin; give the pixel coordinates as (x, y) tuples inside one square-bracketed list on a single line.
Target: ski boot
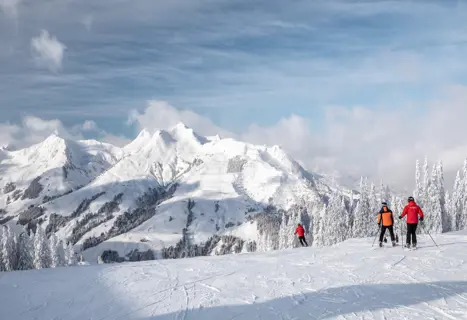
[(394, 243), (380, 244), (414, 246), (407, 245)]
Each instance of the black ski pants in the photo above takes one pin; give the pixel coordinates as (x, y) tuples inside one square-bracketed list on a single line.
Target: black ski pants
[(383, 231), (302, 240), (411, 232)]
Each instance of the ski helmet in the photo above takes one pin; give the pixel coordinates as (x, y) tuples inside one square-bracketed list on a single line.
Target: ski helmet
[(384, 203), (410, 199)]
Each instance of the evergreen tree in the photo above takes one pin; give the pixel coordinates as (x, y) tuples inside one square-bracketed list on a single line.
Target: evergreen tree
[(70, 255), (54, 252), (330, 220), (8, 250), (2, 265), (463, 215), (433, 205), (26, 252), (445, 217), (41, 250), (362, 223), (449, 209), (426, 184), (457, 203), (283, 232), (374, 205), (418, 183)]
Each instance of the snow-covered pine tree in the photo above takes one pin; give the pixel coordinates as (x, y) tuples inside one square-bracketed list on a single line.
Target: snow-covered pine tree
[(8, 251), (283, 232), (16, 256), (330, 220), (426, 184), (369, 201), (70, 255), (2, 265), (345, 220), (318, 227), (418, 183), (457, 203), (54, 251), (26, 252), (41, 249), (432, 207), (445, 217), (362, 226), (374, 204), (449, 209), (463, 215)]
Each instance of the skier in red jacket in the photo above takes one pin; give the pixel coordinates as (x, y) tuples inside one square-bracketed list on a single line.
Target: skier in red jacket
[(412, 211), (301, 234)]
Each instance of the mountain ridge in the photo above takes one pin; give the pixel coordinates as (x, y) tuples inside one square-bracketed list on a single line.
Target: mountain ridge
[(161, 188)]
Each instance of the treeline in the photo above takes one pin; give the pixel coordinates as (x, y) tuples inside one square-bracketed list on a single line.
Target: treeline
[(25, 251)]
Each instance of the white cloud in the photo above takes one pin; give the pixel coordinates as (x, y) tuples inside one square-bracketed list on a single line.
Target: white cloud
[(381, 144), (48, 51), (355, 141), (33, 129), (89, 125), (10, 7), (161, 115)]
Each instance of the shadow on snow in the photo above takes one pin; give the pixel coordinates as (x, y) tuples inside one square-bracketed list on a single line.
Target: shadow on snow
[(328, 303)]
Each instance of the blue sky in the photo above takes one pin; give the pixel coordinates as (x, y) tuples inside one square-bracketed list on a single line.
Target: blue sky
[(249, 68)]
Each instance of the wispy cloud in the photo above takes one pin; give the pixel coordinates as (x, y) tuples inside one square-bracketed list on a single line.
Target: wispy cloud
[(10, 7), (87, 21), (264, 71), (48, 51)]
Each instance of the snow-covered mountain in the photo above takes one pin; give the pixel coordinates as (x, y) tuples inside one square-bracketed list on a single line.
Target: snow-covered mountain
[(352, 280), (50, 169), (170, 192)]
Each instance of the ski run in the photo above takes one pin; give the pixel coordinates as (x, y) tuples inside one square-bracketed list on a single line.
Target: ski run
[(350, 280)]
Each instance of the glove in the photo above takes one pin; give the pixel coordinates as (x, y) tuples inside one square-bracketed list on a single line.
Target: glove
[(379, 223), (400, 217), (421, 218)]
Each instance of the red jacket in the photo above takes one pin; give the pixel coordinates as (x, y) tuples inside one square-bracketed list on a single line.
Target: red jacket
[(412, 210), (300, 231)]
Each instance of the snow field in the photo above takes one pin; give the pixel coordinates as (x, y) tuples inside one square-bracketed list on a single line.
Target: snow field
[(351, 280)]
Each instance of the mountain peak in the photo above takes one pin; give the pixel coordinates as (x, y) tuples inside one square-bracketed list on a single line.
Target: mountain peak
[(143, 134), (54, 139), (181, 131), (181, 126)]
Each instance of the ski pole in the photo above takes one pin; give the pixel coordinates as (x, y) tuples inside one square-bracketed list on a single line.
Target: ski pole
[(377, 234), (428, 234), (402, 246)]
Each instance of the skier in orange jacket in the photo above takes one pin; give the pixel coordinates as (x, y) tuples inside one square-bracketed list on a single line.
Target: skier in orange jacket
[(386, 219)]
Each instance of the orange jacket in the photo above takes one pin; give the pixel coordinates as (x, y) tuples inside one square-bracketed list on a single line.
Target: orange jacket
[(386, 215)]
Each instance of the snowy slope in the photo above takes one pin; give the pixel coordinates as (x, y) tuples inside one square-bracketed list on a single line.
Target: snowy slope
[(349, 281)]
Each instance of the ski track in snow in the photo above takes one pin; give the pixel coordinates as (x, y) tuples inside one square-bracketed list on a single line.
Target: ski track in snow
[(348, 281)]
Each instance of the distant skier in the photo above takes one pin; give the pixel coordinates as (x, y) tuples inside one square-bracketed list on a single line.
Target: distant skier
[(412, 211), (301, 235), (386, 219)]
